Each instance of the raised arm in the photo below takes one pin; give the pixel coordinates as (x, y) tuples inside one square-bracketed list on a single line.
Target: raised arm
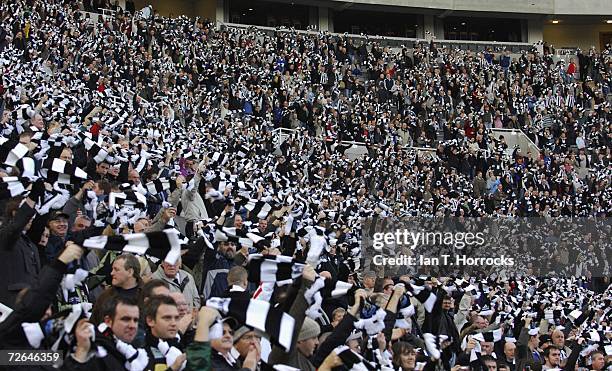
[(35, 301), (11, 230), (341, 332), (298, 312)]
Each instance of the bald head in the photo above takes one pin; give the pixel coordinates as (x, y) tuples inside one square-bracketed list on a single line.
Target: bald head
[(558, 338), (509, 349)]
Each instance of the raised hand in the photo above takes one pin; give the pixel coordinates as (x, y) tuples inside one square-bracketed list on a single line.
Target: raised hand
[(83, 334), (71, 252)]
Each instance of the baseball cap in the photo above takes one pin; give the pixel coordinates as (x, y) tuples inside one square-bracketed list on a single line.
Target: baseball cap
[(232, 322), (58, 214), (545, 339)]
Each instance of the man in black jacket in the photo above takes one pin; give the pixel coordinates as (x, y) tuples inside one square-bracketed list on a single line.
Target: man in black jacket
[(441, 322), (162, 341), (58, 229), (113, 335), (35, 302), (19, 259)]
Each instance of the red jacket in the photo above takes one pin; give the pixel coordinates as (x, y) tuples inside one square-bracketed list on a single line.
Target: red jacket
[(95, 129)]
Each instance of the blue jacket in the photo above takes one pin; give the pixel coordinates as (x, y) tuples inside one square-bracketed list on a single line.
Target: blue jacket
[(215, 267), (505, 61)]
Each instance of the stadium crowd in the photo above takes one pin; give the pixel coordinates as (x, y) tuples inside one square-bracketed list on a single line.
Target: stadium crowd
[(153, 218)]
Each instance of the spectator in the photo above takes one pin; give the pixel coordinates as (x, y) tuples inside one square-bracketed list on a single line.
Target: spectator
[(509, 354), (121, 319), (125, 282), (167, 151), (306, 340), (552, 358), (179, 281), (571, 70), (221, 358), (598, 360), (162, 317), (369, 279), (237, 282), (248, 345), (149, 289), (58, 226), (19, 258), (404, 356), (35, 303)]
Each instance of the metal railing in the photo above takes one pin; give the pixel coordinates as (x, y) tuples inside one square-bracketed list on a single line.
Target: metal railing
[(356, 149), (516, 137), (392, 41), (513, 137), (107, 15)]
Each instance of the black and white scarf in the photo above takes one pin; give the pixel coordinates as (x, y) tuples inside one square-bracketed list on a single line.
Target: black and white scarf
[(162, 245), (353, 361), (258, 314), (282, 270)]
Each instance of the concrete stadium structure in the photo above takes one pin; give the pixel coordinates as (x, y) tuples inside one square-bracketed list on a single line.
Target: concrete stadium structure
[(564, 24)]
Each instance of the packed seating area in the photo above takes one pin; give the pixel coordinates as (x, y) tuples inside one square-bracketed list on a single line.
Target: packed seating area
[(153, 217)]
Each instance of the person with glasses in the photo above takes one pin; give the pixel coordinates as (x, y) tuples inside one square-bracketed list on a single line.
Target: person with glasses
[(186, 315), (58, 226), (222, 357), (248, 345), (181, 303)]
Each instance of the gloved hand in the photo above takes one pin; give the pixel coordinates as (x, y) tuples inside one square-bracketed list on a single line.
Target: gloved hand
[(37, 193)]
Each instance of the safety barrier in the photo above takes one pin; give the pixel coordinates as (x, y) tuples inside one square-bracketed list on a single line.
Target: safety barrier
[(396, 42), (513, 137), (516, 137)]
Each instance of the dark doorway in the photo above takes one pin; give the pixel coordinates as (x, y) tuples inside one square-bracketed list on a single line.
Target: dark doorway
[(377, 23), (604, 39), (482, 29), (272, 14)]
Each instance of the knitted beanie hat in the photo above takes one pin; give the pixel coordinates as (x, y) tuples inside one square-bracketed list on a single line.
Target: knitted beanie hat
[(309, 329)]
